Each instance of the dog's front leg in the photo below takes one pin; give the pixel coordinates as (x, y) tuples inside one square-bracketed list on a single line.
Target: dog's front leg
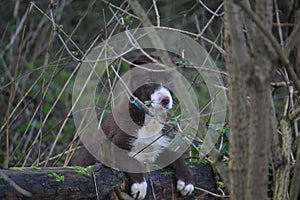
[(184, 177), (135, 171), (185, 183), (139, 185)]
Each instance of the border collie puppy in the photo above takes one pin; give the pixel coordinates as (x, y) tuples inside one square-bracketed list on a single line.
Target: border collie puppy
[(149, 142)]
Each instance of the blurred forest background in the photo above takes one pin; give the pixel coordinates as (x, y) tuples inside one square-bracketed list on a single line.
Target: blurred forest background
[(43, 42), (39, 59)]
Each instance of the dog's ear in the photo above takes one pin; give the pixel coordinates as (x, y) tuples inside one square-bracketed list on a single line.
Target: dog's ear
[(143, 59)]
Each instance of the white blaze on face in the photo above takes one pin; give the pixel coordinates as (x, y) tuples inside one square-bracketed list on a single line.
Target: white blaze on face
[(161, 98)]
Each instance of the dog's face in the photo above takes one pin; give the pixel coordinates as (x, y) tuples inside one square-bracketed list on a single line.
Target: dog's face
[(156, 95), (161, 98)]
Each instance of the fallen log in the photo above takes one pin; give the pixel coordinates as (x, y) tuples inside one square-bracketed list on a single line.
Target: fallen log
[(96, 182)]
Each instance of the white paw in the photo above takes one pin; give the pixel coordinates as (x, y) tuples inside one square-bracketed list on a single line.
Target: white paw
[(139, 190), (184, 189)]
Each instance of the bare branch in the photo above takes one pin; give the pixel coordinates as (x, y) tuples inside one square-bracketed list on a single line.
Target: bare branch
[(293, 40), (156, 12), (14, 185), (281, 55)]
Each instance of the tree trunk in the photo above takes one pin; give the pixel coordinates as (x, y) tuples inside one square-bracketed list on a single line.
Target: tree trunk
[(79, 183), (238, 116), (249, 64)]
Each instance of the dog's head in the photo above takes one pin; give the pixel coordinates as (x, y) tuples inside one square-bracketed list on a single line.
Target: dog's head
[(145, 69), (152, 94), (155, 95)]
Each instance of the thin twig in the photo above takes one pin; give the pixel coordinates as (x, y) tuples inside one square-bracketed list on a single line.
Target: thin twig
[(59, 30), (14, 185), (120, 21), (210, 20), (120, 9), (278, 22), (157, 13), (220, 49), (211, 193), (18, 30), (75, 102), (56, 156), (130, 94), (96, 185), (210, 11), (293, 40), (154, 37)]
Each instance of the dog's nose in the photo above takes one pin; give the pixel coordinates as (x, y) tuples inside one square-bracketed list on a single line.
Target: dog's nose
[(164, 101)]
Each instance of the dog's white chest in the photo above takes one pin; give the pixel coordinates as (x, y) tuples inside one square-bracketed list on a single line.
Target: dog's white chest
[(149, 142)]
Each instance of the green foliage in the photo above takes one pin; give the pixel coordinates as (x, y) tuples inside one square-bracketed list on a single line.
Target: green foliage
[(223, 140), (221, 184), (201, 161), (218, 133), (18, 168), (174, 120), (36, 167), (57, 177), (168, 173), (128, 19), (184, 62)]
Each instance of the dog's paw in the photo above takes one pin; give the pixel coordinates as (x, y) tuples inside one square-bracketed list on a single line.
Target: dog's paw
[(139, 190), (185, 189)]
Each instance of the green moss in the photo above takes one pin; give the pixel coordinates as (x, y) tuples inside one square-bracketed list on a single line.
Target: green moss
[(18, 168), (83, 171), (57, 177), (36, 167)]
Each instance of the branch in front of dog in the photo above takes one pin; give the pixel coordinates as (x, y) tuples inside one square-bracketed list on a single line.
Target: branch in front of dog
[(141, 150), (130, 94), (163, 134), (164, 67)]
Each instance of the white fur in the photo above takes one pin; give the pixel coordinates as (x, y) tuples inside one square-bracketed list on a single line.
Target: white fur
[(139, 189), (160, 93), (184, 189), (144, 141)]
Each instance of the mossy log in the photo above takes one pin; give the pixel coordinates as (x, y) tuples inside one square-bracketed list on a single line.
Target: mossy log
[(80, 183)]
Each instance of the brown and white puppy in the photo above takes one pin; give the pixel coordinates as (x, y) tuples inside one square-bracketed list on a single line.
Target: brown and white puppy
[(144, 138)]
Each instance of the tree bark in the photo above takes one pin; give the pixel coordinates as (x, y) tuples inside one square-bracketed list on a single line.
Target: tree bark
[(249, 63), (238, 117), (42, 184), (283, 171)]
